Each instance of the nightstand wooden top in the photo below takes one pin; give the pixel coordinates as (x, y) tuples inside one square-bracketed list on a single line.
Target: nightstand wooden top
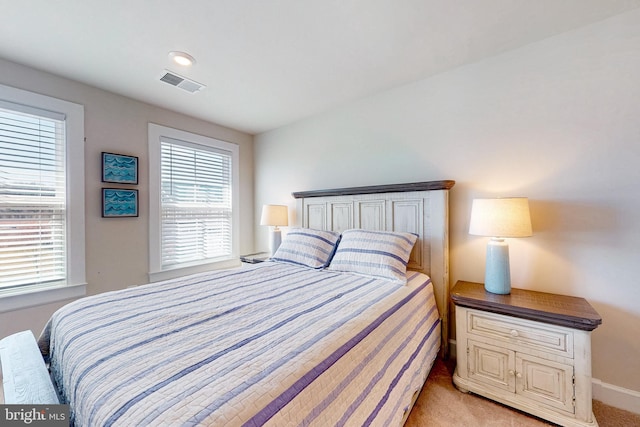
[(563, 310)]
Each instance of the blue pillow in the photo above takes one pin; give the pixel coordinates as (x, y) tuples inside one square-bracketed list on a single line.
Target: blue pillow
[(374, 253), (307, 247)]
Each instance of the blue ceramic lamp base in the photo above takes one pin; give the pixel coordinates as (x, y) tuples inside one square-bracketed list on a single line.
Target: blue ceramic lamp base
[(497, 276), (275, 238)]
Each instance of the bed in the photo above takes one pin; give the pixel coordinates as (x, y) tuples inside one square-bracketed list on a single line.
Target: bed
[(284, 342)]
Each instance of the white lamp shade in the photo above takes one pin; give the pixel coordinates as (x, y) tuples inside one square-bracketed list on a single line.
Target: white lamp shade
[(508, 217), (274, 215)]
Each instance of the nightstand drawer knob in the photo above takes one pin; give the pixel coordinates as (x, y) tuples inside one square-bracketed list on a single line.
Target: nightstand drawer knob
[(518, 374), (514, 333), (511, 372)]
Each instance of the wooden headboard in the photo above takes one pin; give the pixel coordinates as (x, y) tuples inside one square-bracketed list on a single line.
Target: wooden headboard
[(421, 208)]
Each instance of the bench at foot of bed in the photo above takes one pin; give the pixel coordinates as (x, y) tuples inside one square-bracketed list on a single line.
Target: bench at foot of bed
[(25, 377)]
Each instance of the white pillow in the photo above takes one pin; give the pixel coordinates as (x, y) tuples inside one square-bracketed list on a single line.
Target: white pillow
[(307, 247), (374, 253)]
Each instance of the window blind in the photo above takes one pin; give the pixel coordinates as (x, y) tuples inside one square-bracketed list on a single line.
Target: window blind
[(196, 203), (32, 196)]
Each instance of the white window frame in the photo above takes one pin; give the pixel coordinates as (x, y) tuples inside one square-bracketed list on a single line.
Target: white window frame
[(75, 284), (156, 133)]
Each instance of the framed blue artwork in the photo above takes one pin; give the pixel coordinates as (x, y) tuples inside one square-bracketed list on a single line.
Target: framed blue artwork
[(120, 169), (119, 203)]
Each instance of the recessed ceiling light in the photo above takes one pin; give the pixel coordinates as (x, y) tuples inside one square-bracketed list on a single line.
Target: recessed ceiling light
[(182, 58)]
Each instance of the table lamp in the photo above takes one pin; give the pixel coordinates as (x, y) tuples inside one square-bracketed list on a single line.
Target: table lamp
[(274, 216), (499, 218)]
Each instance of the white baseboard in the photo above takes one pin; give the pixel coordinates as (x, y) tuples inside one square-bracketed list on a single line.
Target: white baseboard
[(615, 396), (612, 395)]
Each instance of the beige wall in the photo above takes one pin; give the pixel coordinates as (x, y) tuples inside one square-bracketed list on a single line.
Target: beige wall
[(557, 121), (117, 253)]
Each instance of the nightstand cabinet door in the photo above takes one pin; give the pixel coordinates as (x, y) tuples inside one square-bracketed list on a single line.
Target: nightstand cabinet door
[(491, 366), (545, 381)]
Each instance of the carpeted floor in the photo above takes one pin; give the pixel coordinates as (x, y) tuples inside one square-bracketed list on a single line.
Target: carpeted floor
[(440, 404)]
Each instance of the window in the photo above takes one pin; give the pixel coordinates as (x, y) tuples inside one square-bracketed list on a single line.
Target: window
[(193, 202), (41, 198)]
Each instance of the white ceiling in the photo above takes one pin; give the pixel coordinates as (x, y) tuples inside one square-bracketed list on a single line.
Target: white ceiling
[(268, 63)]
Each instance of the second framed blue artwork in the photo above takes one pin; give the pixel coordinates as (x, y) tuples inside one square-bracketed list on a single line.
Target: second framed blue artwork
[(120, 169), (119, 203)]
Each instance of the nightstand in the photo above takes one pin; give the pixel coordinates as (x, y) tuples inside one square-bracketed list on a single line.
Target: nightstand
[(529, 350), (255, 258)]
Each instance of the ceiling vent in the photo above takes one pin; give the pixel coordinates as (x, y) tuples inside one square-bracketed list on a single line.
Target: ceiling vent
[(182, 82)]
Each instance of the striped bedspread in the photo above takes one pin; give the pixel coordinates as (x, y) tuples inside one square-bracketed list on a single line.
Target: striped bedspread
[(266, 344)]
